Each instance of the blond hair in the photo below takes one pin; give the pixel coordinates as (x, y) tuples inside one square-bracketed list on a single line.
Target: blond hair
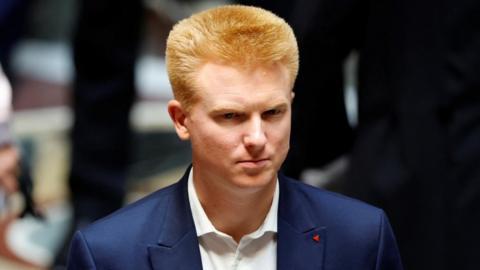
[(231, 34)]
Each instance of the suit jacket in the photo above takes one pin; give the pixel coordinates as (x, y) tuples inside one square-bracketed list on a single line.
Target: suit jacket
[(158, 232)]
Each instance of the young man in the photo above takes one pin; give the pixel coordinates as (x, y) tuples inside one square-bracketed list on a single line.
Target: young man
[(232, 70)]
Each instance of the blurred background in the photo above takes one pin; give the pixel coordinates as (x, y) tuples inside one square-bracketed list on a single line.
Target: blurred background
[(387, 110), (38, 57)]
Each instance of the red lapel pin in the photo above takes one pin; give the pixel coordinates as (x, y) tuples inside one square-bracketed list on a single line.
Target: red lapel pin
[(316, 238)]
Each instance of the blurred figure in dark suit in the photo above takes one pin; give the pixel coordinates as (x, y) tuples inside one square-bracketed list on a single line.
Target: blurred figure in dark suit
[(416, 148), (105, 47), (324, 44), (12, 24)]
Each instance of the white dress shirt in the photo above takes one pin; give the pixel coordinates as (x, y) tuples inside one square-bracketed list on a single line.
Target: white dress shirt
[(257, 250)]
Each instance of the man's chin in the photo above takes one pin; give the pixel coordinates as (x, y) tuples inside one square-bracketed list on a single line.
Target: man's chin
[(257, 180)]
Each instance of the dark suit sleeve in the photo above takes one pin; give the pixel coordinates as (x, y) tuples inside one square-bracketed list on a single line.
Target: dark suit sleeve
[(388, 256), (80, 256)]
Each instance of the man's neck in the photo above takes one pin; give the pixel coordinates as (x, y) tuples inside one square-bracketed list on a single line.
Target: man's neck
[(236, 212)]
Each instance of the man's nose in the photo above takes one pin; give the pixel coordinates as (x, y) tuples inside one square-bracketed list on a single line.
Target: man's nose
[(255, 137)]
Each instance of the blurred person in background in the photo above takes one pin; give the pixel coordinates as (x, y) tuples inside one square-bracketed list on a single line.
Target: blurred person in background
[(320, 96), (12, 24), (9, 156), (416, 149), (105, 46)]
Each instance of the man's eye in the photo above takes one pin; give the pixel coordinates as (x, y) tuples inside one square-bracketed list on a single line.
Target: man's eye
[(229, 115), (272, 112)]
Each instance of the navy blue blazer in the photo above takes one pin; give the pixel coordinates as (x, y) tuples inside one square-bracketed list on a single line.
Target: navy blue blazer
[(158, 232)]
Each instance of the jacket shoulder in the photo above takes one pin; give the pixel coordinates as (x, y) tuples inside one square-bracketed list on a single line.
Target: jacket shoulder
[(129, 222), (358, 234), (121, 240), (333, 208)]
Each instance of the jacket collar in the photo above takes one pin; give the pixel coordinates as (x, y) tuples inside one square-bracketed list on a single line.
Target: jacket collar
[(301, 242), (178, 236)]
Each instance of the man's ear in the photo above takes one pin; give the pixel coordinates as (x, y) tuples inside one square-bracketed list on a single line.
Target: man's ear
[(178, 116)]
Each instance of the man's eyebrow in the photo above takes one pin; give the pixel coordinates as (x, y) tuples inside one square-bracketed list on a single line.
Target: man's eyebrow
[(278, 105), (225, 108)]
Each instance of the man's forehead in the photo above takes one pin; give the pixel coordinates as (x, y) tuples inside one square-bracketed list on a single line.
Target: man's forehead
[(238, 103), (214, 77), (225, 73)]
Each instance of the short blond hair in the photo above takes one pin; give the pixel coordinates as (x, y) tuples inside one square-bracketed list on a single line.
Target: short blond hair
[(231, 34)]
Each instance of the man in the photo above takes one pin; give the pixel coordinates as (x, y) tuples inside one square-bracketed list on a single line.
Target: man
[(232, 70)]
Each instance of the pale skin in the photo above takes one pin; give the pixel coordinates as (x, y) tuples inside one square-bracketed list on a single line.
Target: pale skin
[(239, 131)]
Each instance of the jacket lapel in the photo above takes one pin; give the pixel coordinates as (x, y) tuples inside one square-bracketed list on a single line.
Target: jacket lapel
[(177, 246), (184, 255), (301, 242)]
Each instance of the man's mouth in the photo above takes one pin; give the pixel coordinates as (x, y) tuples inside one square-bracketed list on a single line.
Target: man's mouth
[(254, 163)]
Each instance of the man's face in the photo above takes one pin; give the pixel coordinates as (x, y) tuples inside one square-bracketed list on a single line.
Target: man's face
[(240, 127)]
